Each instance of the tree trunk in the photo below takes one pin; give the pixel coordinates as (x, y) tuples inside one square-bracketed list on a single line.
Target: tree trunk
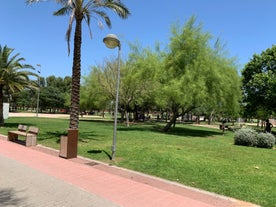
[(127, 118), (210, 118), (76, 74), (171, 122), (197, 119)]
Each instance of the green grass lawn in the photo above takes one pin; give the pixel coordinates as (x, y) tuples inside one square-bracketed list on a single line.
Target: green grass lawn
[(195, 156)]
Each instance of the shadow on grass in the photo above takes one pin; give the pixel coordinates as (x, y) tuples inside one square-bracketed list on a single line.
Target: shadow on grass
[(52, 135), (96, 120), (83, 136), (180, 130), (190, 132), (15, 125), (99, 152), (88, 136)]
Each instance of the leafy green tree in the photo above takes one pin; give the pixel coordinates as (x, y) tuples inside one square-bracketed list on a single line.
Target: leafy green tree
[(51, 98), (13, 75), (54, 92), (96, 94), (23, 100), (79, 10), (259, 84), (222, 87), (194, 74), (139, 82)]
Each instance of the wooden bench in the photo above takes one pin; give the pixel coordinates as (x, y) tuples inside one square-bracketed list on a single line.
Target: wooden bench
[(22, 130)]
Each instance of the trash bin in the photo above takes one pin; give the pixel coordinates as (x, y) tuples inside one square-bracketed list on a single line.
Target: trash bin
[(69, 144)]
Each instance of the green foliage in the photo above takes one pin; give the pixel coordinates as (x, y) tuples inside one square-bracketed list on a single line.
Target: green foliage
[(53, 94), (137, 82), (190, 75), (196, 75), (245, 137), (259, 84), (265, 140), (98, 88)]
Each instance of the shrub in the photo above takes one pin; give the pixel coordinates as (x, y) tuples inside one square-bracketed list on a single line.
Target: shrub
[(245, 137), (265, 140)]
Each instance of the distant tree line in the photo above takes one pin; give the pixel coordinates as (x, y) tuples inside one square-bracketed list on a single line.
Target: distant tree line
[(54, 96)]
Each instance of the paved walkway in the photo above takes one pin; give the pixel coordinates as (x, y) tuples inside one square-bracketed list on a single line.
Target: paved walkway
[(38, 177)]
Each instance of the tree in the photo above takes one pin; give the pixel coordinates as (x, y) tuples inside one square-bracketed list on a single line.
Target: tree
[(193, 73), (137, 82), (79, 10), (259, 84), (51, 98), (222, 86), (53, 94), (13, 76), (94, 94)]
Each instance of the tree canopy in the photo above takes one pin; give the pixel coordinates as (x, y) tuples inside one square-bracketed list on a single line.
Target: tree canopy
[(191, 74), (259, 84), (196, 75)]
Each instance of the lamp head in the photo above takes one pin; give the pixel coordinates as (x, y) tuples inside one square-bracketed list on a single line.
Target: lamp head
[(111, 41)]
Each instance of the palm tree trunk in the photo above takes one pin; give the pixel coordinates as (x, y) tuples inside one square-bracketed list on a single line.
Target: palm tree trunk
[(76, 74)]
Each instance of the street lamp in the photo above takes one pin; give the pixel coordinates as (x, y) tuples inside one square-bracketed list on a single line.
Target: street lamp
[(111, 41), (38, 81)]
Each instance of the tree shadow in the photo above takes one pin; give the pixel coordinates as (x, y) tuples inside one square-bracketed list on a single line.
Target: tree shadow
[(51, 135), (177, 131), (83, 136), (204, 132), (15, 125), (99, 152), (97, 120), (8, 197), (11, 125), (88, 136)]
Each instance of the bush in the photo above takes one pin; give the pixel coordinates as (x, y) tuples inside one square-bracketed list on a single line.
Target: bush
[(265, 140), (245, 137)]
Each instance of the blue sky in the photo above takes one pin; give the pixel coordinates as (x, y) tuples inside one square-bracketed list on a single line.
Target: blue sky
[(245, 26)]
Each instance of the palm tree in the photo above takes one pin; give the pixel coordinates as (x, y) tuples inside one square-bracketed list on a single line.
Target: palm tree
[(13, 76), (83, 10)]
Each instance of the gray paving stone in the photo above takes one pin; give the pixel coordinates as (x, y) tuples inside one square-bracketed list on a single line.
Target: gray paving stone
[(22, 186)]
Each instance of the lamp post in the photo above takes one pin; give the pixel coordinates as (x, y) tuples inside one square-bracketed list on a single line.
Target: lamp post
[(111, 41), (38, 81)]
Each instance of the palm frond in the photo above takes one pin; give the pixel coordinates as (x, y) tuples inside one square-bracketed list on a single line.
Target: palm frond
[(104, 16), (117, 6), (62, 11), (69, 30)]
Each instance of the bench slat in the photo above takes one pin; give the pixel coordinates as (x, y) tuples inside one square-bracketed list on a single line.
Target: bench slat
[(33, 130)]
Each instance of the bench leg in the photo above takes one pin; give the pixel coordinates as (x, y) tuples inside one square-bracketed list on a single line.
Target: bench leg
[(12, 137), (31, 140)]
